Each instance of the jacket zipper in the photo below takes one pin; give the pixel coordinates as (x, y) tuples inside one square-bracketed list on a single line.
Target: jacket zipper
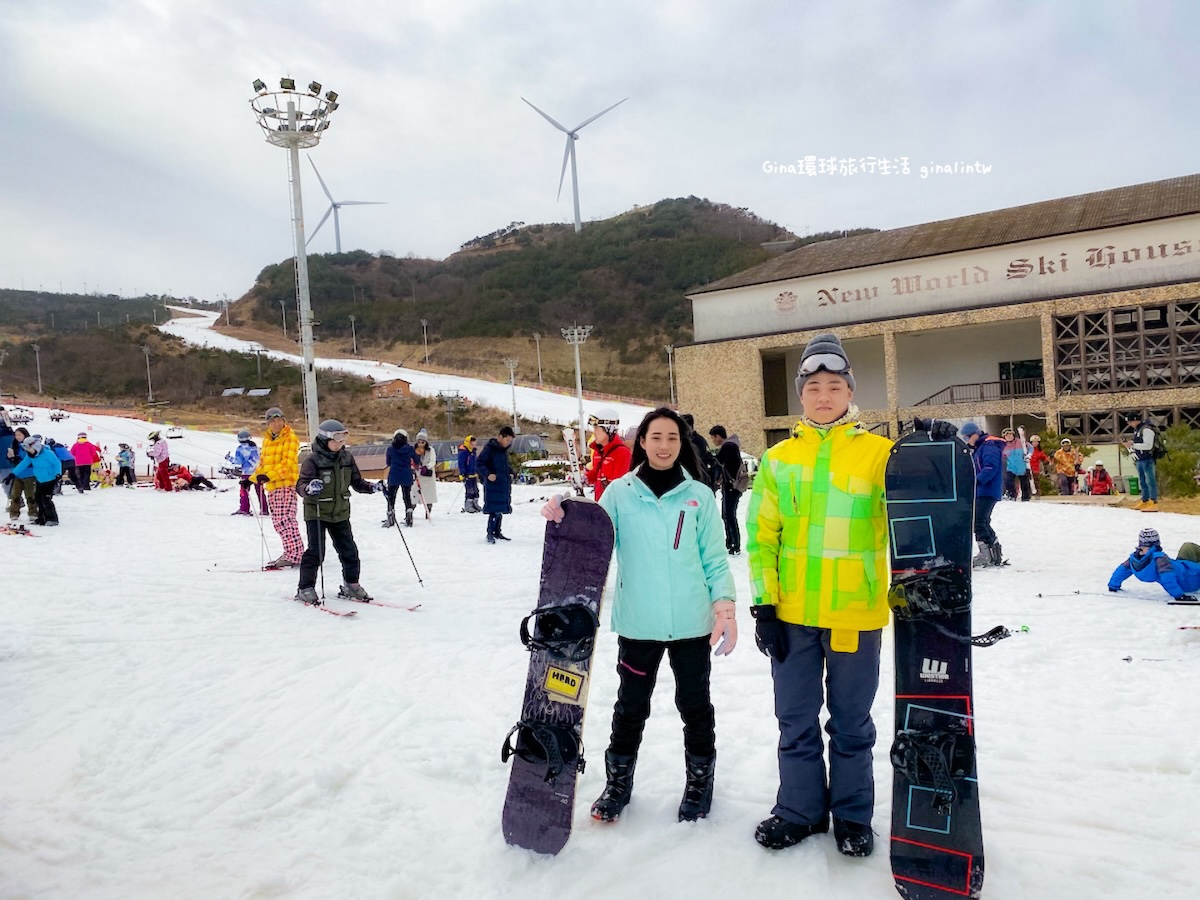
[(679, 530)]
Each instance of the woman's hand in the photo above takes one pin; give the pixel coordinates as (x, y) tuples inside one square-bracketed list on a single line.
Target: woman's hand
[(553, 509), (725, 629)]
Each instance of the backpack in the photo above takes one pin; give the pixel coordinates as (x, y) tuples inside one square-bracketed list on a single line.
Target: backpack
[(742, 481), (1159, 450)]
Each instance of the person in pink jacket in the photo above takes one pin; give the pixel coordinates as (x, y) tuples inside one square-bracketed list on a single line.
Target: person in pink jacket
[(86, 455), (160, 452)]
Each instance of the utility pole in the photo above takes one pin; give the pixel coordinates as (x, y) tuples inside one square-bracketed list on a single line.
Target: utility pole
[(670, 348), (283, 309), (425, 338), (451, 400), (353, 336), (511, 362), (537, 339), (149, 385), (576, 335), (37, 355)]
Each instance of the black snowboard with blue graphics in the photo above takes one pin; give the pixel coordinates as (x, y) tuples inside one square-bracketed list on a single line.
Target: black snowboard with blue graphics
[(936, 841), (546, 745)]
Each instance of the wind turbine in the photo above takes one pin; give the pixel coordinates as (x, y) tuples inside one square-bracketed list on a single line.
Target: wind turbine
[(569, 154), (334, 206)]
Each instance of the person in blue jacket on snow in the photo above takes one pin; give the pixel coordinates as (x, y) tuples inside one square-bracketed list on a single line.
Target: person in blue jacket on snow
[(1179, 577), (401, 459), (40, 463), (987, 452), (675, 596)]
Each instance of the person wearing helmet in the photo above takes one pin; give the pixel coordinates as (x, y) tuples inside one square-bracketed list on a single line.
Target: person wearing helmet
[(278, 469), (125, 462), (44, 467), (244, 460), (1179, 577), (86, 454), (160, 453), (1068, 463), (401, 458), (21, 491), (1039, 462), (326, 478), (1099, 481), (610, 454)]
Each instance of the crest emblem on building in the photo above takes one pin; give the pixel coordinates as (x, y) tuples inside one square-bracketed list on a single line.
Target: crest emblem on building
[(785, 302)]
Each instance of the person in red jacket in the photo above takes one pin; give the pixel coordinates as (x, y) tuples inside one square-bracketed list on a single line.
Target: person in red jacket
[(610, 455), (1099, 481)]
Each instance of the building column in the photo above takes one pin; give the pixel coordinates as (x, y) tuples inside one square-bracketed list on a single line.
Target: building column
[(1049, 375), (893, 381)]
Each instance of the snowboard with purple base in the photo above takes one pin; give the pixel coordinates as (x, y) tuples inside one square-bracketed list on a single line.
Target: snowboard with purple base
[(546, 745)]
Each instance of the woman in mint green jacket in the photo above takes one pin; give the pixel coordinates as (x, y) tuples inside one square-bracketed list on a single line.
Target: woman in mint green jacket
[(675, 595)]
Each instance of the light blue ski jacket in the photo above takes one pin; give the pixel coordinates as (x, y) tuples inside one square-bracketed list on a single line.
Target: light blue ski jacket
[(671, 559)]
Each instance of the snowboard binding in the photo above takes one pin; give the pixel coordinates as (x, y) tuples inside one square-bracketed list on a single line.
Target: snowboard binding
[(938, 591), (554, 745), (927, 760), (565, 632)]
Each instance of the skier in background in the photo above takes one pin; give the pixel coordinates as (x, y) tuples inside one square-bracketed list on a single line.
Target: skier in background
[(400, 461), (426, 462), (160, 453), (1016, 467), (675, 596), (1039, 462), (467, 473), (125, 462), (1099, 481), (496, 474), (708, 462), (85, 454), (610, 454), (1141, 446), (987, 454), (729, 462), (22, 491), (1179, 577), (278, 469), (1067, 464), (40, 464), (244, 458), (67, 461), (326, 478)]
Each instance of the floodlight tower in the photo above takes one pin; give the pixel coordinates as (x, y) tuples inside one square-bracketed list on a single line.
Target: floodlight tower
[(295, 119), (575, 336)]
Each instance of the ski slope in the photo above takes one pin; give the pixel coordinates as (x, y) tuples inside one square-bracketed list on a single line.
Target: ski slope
[(533, 404), (174, 727)]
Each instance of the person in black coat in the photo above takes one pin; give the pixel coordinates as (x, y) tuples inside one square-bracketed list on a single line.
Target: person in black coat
[(400, 461), (495, 475), (707, 460)]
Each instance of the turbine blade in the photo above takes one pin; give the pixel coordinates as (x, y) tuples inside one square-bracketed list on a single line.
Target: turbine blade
[(363, 203), (566, 159), (320, 179), (319, 224), (598, 115), (547, 118)]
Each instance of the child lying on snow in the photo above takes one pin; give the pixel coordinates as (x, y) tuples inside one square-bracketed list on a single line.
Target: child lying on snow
[(1179, 577)]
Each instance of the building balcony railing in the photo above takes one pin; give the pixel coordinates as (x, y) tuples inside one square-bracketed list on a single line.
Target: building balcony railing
[(986, 391)]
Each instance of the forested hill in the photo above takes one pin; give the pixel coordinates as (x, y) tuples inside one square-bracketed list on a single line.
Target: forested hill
[(626, 276)]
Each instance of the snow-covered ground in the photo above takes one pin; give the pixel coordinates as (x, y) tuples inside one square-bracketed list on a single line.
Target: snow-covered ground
[(195, 327), (175, 727)]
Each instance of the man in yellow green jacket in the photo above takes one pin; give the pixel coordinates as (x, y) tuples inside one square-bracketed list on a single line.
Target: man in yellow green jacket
[(278, 470), (817, 546)]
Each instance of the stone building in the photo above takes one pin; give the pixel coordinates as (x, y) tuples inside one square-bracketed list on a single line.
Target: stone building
[(1061, 314)]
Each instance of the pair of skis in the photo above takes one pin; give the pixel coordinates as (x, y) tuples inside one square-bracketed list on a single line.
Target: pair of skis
[(575, 469)]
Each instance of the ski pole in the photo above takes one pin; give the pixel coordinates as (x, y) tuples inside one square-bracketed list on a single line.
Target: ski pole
[(321, 532), (454, 499), (400, 531), (263, 550)]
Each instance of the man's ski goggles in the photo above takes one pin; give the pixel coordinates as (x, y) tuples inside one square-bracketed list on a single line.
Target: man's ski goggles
[(830, 362)]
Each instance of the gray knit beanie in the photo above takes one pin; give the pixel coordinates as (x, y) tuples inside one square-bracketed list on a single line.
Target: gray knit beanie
[(828, 346)]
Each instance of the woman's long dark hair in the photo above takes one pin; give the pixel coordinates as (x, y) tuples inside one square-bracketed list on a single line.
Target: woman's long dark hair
[(687, 450)]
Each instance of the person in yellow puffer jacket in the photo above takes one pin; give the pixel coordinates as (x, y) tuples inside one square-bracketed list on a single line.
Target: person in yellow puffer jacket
[(818, 552), (278, 471)]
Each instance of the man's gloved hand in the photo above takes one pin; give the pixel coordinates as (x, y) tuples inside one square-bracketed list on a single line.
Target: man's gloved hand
[(314, 487), (261, 479), (768, 631), (939, 429), (725, 629)]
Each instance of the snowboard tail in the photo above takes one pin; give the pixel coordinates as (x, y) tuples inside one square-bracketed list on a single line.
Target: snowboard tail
[(546, 745), (936, 840)]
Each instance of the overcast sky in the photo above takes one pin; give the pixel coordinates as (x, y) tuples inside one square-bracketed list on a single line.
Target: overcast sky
[(132, 162)]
